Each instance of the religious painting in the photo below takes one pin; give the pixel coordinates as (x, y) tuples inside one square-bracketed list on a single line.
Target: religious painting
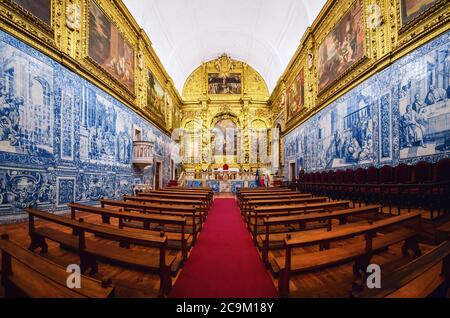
[(155, 94), (296, 95), (342, 48), (411, 9), (39, 8), (230, 84), (225, 138), (109, 49)]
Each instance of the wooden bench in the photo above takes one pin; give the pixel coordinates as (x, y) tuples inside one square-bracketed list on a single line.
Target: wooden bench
[(199, 204), (243, 191), (181, 240), (243, 201), (170, 195), (422, 277), (194, 217), (258, 213), (361, 252), (208, 192), (267, 193), (154, 259), (251, 204), (269, 240), (32, 275)]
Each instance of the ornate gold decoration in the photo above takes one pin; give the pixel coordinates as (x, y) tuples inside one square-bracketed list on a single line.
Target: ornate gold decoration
[(73, 16), (66, 40), (224, 65), (385, 42)]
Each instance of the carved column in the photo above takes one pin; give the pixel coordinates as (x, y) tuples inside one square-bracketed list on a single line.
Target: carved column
[(205, 130), (71, 30), (246, 126)]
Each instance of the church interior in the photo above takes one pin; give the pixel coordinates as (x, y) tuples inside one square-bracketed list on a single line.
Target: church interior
[(244, 149)]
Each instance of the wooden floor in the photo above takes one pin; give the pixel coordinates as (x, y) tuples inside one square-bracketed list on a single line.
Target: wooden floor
[(335, 282)]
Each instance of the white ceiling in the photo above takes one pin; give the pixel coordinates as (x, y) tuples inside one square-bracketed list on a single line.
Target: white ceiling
[(263, 33)]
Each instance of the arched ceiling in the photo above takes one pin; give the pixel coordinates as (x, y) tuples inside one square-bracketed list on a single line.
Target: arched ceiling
[(263, 33)]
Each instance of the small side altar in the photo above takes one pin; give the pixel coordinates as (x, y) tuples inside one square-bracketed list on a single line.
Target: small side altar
[(221, 180)]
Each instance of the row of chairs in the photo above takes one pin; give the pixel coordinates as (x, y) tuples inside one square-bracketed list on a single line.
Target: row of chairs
[(424, 185)]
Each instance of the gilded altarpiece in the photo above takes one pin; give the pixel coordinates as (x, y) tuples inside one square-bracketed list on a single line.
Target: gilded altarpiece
[(226, 93)]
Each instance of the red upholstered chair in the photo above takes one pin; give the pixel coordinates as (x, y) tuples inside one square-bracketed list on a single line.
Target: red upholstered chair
[(439, 193), (372, 182), (329, 191), (339, 183), (323, 183), (398, 191), (348, 184), (359, 182), (422, 175), (386, 179), (316, 181)]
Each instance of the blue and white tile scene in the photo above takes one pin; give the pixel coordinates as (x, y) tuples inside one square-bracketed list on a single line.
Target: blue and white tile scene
[(401, 114), (61, 138)]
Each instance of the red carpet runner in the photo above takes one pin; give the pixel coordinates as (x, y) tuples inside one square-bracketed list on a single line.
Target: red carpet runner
[(224, 263)]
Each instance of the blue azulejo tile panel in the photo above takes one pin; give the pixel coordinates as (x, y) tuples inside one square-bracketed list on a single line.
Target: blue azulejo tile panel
[(253, 184), (236, 185), (61, 138), (193, 183), (401, 114), (65, 190), (214, 185)]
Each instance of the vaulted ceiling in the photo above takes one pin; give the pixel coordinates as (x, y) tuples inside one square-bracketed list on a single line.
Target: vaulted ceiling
[(263, 33)]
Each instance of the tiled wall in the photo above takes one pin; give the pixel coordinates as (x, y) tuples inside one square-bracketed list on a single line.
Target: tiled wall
[(402, 114), (61, 138)]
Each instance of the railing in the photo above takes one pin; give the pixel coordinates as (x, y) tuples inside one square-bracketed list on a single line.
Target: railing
[(182, 179), (142, 153)]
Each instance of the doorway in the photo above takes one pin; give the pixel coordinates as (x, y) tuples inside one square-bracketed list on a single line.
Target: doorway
[(172, 170), (292, 172), (137, 135), (158, 175)]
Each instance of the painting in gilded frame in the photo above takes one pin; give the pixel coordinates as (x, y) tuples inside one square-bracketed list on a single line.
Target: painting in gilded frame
[(109, 49), (231, 84), (155, 94), (411, 9), (296, 95), (342, 48), (39, 8)]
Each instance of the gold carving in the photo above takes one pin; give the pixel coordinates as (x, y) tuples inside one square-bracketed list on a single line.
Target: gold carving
[(73, 16), (224, 65)]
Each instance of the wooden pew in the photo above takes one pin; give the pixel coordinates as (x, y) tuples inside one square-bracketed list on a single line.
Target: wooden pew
[(194, 217), (303, 219), (202, 190), (181, 240), (32, 275), (422, 277), (189, 202), (209, 192), (169, 196), (245, 190), (360, 252), (241, 196), (251, 203), (153, 259), (285, 210), (243, 201)]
